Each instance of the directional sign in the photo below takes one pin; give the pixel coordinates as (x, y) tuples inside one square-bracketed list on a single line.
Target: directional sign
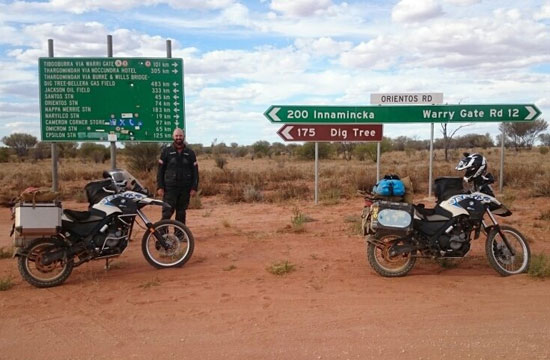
[(97, 99), (401, 113), (348, 133), (407, 98)]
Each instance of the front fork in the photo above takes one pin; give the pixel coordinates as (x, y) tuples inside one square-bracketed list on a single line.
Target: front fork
[(152, 230), (489, 228)]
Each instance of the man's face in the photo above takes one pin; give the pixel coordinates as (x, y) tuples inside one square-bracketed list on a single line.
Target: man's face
[(179, 137)]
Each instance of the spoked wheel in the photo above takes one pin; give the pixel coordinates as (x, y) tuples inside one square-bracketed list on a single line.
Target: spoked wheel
[(504, 261), (37, 270), (179, 241), (378, 254)]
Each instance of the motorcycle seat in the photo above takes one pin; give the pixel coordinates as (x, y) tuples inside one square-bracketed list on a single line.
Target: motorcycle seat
[(80, 216), (430, 214)]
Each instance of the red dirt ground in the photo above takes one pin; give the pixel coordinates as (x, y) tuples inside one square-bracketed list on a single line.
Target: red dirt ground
[(223, 304)]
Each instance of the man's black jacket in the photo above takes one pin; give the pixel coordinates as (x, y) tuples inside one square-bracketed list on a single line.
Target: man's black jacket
[(177, 169)]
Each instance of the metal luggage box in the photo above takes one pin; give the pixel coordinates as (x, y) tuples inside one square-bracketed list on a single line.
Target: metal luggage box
[(392, 218), (38, 219)]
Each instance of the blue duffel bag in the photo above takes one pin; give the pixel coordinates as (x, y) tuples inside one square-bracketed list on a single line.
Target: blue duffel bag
[(390, 185)]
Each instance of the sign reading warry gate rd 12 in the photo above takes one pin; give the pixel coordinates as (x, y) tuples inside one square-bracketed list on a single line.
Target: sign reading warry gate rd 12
[(401, 113), (307, 132), (88, 99)]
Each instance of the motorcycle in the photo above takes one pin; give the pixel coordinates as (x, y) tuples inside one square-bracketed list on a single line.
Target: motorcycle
[(397, 234), (102, 232)]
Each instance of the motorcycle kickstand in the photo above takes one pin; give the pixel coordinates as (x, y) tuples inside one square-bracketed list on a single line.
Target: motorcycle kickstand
[(107, 266)]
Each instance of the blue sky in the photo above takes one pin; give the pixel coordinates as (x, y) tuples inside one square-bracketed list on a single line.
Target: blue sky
[(241, 57)]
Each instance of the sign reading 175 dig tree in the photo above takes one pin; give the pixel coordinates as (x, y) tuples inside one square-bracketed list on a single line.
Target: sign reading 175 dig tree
[(401, 113), (96, 99)]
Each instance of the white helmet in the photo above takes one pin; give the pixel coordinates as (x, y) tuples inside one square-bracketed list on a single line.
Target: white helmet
[(474, 164)]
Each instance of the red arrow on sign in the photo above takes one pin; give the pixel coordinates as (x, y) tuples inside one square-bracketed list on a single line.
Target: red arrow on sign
[(336, 132)]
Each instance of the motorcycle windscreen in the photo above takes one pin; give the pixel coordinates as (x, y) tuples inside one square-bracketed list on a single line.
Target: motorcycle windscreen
[(393, 218), (499, 210)]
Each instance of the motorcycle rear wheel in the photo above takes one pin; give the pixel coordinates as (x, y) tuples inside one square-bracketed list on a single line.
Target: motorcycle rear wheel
[(39, 275), (380, 260), (180, 243), (500, 258)]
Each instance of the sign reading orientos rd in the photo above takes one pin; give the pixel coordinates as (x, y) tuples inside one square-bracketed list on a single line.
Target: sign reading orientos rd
[(88, 99), (401, 113)]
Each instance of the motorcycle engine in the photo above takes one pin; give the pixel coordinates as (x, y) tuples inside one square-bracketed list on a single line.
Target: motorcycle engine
[(111, 237), (455, 241)]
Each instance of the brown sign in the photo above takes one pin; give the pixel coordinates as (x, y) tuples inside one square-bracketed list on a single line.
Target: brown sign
[(336, 132)]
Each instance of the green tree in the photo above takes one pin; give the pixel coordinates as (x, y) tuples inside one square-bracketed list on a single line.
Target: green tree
[(20, 142), (261, 148), (4, 154), (523, 134), (96, 152), (41, 150), (307, 151), (67, 149), (364, 151)]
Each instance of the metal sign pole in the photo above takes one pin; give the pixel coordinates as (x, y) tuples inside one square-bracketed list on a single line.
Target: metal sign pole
[(316, 173), (378, 161), (113, 143), (430, 177), (501, 177), (55, 178)]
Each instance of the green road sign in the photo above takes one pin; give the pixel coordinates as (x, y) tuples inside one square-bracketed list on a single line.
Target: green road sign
[(130, 99), (400, 113)]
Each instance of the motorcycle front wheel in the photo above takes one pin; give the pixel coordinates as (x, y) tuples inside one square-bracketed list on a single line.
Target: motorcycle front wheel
[(499, 255), (35, 272), (179, 240), (378, 255)]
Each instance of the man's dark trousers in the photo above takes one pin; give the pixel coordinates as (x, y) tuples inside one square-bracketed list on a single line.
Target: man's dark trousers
[(178, 199)]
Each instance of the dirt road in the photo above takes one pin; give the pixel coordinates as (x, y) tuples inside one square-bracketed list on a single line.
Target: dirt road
[(223, 304)]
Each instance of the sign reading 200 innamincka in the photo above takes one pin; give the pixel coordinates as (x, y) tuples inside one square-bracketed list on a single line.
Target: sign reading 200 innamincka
[(88, 99), (401, 114)]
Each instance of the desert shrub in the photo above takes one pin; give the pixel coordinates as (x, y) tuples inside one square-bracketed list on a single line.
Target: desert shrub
[(4, 154), (540, 266), (6, 253), (220, 161), (252, 194), (290, 191), (521, 175), (195, 201), (541, 187), (142, 156), (307, 151), (545, 215), (544, 150), (6, 283), (281, 268), (95, 152)]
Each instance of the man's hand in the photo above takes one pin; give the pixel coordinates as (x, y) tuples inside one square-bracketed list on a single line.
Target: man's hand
[(160, 192), (193, 192)]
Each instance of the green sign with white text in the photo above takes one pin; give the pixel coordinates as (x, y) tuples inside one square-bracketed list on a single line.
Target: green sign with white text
[(106, 99), (400, 113)]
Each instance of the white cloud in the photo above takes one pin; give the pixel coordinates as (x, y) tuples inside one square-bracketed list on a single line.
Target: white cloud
[(463, 2), (543, 13), (324, 46), (415, 10), (300, 7)]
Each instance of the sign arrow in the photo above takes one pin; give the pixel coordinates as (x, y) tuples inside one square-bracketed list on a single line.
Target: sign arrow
[(284, 132), (175, 84), (175, 71), (273, 114), (176, 103), (532, 113), (175, 64)]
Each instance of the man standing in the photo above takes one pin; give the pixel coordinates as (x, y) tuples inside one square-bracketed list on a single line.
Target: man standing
[(177, 176)]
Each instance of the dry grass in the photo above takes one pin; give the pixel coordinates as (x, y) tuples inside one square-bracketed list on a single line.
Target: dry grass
[(281, 179)]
